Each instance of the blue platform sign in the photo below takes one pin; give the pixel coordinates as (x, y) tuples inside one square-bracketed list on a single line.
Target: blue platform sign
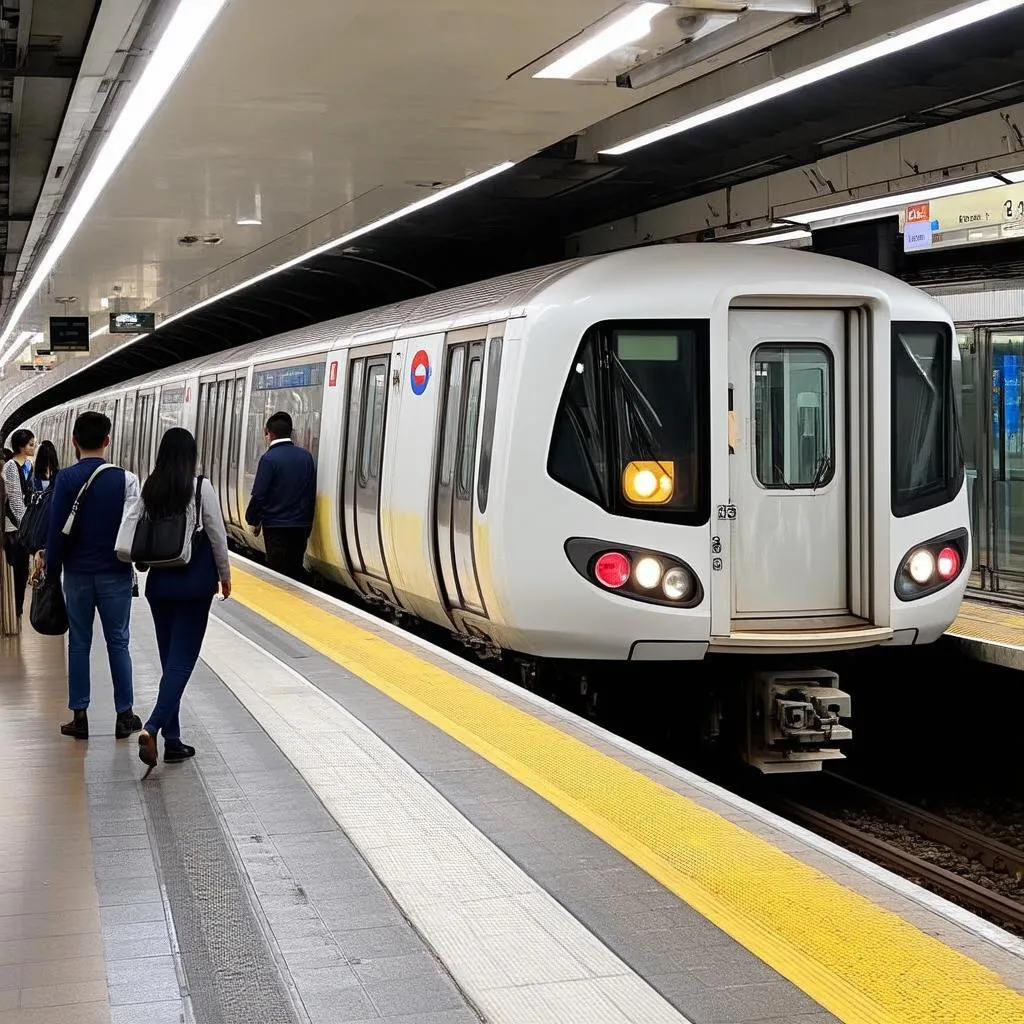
[(1011, 394)]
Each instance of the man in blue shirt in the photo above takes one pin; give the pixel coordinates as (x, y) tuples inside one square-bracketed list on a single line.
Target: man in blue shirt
[(94, 578), (283, 498)]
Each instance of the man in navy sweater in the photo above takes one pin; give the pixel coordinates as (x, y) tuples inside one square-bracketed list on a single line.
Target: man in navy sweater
[(283, 498), (94, 578)]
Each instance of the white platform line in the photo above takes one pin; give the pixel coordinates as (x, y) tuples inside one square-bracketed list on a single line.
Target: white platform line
[(908, 890), (519, 955)]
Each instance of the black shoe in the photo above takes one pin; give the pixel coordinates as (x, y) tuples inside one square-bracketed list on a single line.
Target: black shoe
[(127, 722), (179, 751), (78, 727), (147, 752)]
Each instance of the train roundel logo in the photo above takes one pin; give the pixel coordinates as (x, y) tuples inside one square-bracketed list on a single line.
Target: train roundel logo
[(419, 372)]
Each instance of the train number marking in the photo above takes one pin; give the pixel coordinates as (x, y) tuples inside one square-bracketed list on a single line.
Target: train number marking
[(716, 545), (726, 511), (716, 564)]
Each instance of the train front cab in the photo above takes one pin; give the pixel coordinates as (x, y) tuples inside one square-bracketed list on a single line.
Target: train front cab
[(828, 478)]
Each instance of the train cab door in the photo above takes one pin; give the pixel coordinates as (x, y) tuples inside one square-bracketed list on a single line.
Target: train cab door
[(456, 463), (788, 468), (368, 378)]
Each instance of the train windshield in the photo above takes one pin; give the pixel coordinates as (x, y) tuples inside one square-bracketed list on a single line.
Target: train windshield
[(631, 430), (927, 458)]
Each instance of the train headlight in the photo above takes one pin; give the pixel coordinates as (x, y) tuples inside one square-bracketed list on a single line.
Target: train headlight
[(648, 573), (930, 566), (921, 566), (678, 584), (638, 574), (649, 483)]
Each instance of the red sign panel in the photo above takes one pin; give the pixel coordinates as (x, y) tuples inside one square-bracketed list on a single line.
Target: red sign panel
[(919, 213), (332, 380)]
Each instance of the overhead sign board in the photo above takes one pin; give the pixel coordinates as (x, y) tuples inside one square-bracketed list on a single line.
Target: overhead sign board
[(69, 334), (991, 215), (132, 323)]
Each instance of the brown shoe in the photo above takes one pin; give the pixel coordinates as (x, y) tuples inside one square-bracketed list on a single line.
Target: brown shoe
[(78, 727)]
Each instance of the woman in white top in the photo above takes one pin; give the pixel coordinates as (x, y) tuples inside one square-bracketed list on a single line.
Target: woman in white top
[(180, 598), (17, 476)]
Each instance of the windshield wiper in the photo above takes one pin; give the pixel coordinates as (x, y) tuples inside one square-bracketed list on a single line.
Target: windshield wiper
[(824, 465)]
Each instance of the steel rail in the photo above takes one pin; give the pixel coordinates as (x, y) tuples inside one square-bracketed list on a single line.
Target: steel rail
[(955, 888), (995, 855)]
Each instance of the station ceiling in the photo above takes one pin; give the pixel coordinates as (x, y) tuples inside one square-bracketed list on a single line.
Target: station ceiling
[(358, 117)]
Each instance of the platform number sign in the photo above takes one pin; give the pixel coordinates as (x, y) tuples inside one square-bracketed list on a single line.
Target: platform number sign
[(1014, 210), (726, 511)]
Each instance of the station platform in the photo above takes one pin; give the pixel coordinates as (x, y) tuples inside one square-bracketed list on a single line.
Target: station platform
[(990, 632), (376, 830)]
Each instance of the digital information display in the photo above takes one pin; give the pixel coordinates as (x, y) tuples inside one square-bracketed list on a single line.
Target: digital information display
[(308, 375), (633, 347), (174, 396), (69, 334), (132, 323)]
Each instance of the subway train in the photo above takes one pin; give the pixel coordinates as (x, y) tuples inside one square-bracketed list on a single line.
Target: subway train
[(654, 455)]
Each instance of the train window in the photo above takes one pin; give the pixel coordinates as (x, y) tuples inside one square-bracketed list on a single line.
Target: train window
[(373, 422), (470, 421), (793, 416), (927, 457), (490, 412), (631, 432), (456, 361)]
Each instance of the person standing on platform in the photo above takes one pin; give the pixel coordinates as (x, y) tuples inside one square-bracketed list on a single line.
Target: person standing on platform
[(180, 597), (283, 498), (18, 487), (46, 466), (8, 618), (94, 578)]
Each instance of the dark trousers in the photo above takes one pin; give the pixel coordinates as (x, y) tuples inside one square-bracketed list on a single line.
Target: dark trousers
[(17, 559), (180, 628), (286, 546)]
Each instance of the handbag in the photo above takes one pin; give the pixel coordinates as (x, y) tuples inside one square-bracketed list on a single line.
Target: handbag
[(49, 613), (160, 543)]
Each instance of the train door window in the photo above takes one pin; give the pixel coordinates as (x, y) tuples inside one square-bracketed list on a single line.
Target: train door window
[(470, 421), (235, 444), (203, 427), (228, 432), (490, 412), (128, 431), (450, 439), (371, 447), (793, 416)]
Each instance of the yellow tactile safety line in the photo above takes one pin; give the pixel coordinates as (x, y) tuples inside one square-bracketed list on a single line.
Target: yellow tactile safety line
[(861, 962)]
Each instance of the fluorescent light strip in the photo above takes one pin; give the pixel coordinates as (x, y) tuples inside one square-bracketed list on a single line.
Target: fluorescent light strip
[(785, 236), (405, 211), (855, 59), (183, 34), (626, 29), (1015, 176), (896, 201)]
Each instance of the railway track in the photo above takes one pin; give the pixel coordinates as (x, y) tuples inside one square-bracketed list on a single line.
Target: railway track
[(994, 855)]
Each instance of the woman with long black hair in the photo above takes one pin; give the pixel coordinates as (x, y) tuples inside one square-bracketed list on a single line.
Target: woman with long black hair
[(180, 598), (45, 467)]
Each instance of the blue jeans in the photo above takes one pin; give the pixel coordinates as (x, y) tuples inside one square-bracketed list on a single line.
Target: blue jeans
[(180, 628), (111, 595)]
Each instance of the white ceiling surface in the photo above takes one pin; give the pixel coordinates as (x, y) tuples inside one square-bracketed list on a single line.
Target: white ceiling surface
[(332, 112)]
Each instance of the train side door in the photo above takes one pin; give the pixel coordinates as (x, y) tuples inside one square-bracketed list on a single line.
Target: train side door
[(456, 473), (789, 471), (368, 377)]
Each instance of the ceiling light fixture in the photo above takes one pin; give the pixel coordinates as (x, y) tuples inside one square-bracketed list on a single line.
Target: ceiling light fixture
[(784, 236), (894, 201), (405, 211), (617, 33), (1015, 176), (847, 62), (183, 34)]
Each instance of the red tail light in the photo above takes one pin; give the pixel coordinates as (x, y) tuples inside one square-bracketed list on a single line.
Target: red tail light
[(948, 563), (612, 569)]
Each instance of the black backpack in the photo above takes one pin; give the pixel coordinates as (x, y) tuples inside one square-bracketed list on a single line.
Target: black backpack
[(36, 521)]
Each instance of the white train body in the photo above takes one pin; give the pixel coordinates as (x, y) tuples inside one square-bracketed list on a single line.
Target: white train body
[(472, 444)]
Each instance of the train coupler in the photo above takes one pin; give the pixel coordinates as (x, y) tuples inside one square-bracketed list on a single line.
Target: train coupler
[(795, 720)]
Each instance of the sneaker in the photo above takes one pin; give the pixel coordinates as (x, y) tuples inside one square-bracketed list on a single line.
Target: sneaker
[(126, 723), (178, 751)]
